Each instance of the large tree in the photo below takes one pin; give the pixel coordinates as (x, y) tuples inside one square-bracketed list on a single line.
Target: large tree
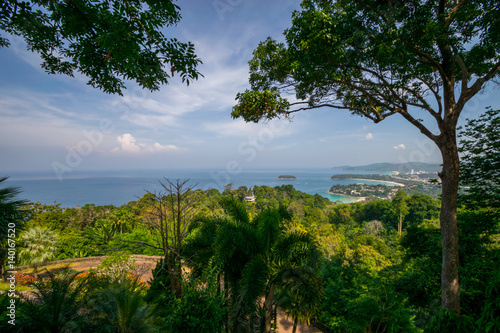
[(108, 41), (418, 59)]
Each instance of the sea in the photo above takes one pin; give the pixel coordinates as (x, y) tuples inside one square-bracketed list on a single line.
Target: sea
[(118, 187)]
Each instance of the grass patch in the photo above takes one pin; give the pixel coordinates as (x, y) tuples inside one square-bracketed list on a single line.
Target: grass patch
[(49, 268), (5, 286)]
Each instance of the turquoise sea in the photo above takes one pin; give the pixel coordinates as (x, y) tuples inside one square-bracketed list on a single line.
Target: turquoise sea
[(120, 187)]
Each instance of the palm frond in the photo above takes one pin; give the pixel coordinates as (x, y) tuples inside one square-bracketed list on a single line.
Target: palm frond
[(296, 248), (236, 210), (250, 288), (268, 224), (235, 245)]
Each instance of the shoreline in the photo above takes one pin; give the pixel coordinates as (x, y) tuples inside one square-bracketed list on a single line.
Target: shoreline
[(375, 180), (358, 199)]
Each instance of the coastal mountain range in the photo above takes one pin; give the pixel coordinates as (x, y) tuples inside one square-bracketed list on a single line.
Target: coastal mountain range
[(400, 167)]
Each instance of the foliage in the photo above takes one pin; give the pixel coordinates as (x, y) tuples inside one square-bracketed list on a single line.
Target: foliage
[(422, 60), (200, 309), (107, 41), (371, 58), (480, 163), (490, 314), (76, 244), (257, 256), (25, 279), (116, 265), (11, 220), (38, 245), (448, 321), (271, 253), (119, 306), (360, 300), (478, 255), (10, 208), (57, 304), (139, 234)]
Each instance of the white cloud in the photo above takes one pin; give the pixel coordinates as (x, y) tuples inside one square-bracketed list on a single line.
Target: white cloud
[(159, 147), (369, 136), (400, 146), (128, 144)]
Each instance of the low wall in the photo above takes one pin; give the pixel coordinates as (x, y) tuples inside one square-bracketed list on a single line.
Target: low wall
[(137, 257)]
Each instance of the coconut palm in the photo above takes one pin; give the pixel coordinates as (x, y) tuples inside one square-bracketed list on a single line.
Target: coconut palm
[(257, 255), (38, 245)]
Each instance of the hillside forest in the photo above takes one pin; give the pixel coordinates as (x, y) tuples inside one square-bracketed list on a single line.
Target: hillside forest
[(229, 265)]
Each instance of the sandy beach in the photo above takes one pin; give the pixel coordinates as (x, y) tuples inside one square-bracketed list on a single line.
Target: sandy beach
[(358, 199), (375, 180)]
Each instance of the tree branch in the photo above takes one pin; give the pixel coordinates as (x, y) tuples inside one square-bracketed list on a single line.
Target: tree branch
[(424, 130), (451, 15), (476, 87)]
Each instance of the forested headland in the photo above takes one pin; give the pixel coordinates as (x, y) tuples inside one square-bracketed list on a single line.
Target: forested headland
[(339, 267), (408, 263)]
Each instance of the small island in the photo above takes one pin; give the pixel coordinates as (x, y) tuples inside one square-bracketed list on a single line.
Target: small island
[(287, 177)]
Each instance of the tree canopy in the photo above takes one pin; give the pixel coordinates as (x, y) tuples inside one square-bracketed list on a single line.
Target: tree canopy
[(423, 60), (480, 165), (375, 59), (108, 41)]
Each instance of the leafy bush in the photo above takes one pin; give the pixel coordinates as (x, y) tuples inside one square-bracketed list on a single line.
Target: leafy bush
[(25, 279), (200, 309)]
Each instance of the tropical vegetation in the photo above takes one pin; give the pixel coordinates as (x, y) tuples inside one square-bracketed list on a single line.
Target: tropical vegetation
[(233, 266)]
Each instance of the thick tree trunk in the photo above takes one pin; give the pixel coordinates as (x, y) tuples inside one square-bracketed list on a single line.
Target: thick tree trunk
[(450, 292)]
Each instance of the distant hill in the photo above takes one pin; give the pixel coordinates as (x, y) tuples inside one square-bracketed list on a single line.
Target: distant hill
[(401, 167)]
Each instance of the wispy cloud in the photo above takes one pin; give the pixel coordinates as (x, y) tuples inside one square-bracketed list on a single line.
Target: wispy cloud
[(128, 144), (239, 128), (369, 136), (400, 146)]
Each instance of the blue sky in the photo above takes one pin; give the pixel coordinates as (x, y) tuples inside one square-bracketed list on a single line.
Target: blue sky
[(50, 122)]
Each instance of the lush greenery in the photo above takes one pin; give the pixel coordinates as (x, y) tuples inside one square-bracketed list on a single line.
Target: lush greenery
[(364, 190), (107, 41), (341, 267), (421, 60)]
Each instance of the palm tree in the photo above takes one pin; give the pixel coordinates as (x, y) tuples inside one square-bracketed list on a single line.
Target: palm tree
[(11, 219), (38, 245), (120, 307), (258, 256), (57, 303)]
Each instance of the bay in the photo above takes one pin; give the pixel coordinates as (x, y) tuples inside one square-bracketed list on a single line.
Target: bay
[(118, 187)]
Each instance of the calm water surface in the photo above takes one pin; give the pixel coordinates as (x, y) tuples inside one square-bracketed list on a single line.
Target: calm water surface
[(120, 187)]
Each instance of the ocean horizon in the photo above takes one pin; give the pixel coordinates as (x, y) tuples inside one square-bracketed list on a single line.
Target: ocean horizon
[(118, 187)]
